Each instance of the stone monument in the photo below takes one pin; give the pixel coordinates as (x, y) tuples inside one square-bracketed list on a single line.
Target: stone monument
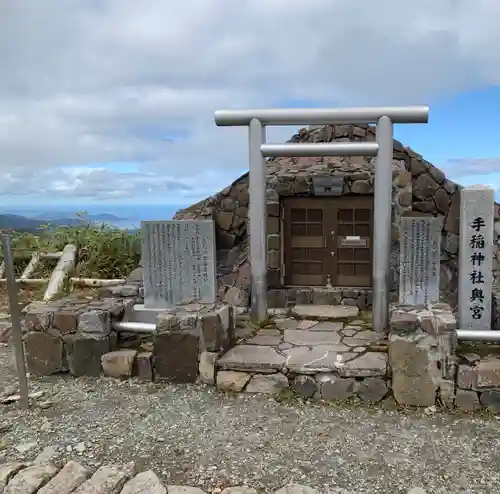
[(475, 273), (420, 251), (179, 262)]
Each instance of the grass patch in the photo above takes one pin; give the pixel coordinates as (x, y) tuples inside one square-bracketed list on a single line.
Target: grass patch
[(102, 251)]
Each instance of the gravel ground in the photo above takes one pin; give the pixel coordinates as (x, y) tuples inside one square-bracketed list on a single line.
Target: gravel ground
[(191, 435)]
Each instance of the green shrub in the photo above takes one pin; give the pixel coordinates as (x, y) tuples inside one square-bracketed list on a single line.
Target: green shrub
[(102, 251)]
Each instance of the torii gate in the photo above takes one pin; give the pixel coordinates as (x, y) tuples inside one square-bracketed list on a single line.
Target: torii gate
[(382, 149)]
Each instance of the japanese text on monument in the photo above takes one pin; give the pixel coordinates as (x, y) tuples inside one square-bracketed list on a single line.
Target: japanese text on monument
[(420, 241), (179, 262), (476, 257)]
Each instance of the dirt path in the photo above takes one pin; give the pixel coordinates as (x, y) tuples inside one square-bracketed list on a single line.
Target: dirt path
[(191, 435)]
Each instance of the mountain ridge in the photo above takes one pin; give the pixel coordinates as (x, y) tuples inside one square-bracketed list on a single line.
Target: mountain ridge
[(26, 224)]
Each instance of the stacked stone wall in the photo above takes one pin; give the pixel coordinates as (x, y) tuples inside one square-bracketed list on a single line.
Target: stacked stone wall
[(76, 335)]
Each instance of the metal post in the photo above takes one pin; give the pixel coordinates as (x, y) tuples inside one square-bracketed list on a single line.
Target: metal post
[(258, 220), (15, 315), (382, 224), (478, 335)]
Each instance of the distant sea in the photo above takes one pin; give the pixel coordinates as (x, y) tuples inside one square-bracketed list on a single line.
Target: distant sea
[(130, 215)]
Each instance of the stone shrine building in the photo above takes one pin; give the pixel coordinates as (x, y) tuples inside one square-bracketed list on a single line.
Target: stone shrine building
[(316, 210)]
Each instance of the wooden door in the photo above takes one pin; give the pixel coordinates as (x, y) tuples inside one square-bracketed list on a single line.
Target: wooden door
[(308, 259), (352, 241), (328, 240)]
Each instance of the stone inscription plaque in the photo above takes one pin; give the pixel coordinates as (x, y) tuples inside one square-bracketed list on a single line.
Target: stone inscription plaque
[(420, 252), (475, 270), (179, 262)]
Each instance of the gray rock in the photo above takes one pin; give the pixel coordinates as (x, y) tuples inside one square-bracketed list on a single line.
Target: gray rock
[(286, 323), (236, 296), (175, 356), (118, 363), (371, 364), (305, 386), (72, 476), (25, 446), (491, 400), (252, 358), (95, 321), (239, 490), (232, 380), (167, 321), (144, 483), (49, 454), (38, 316), (415, 376), (266, 337), (217, 329), (325, 312), (467, 400), (296, 489), (334, 388), (135, 276), (144, 362), (413, 391), (84, 352), (7, 471), (206, 367), (466, 377), (303, 360), (30, 479), (44, 353), (308, 337), (181, 489), (126, 290), (371, 389), (106, 480), (267, 383), (487, 374), (323, 326)]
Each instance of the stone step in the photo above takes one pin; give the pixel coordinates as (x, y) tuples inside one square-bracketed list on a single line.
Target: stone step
[(325, 312), (320, 358)]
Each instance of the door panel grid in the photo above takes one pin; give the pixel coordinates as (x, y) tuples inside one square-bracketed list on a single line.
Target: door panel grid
[(328, 240)]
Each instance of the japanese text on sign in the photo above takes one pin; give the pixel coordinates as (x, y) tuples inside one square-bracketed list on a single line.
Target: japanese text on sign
[(179, 262), (477, 244)]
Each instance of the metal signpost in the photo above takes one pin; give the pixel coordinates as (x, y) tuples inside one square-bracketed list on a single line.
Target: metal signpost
[(15, 315), (384, 117)]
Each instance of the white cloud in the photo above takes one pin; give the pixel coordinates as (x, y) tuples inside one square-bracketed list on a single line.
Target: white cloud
[(106, 80), (478, 166)]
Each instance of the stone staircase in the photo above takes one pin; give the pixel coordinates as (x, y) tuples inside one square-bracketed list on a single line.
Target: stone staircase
[(323, 352)]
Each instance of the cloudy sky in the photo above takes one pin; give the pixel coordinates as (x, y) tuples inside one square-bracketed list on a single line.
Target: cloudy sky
[(112, 100)]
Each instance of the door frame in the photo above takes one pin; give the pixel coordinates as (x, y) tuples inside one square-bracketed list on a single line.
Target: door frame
[(330, 207)]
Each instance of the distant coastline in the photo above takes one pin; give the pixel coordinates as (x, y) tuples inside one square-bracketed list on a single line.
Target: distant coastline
[(126, 217)]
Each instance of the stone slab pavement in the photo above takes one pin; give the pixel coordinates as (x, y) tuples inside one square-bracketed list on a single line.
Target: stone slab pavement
[(191, 435), (309, 346)]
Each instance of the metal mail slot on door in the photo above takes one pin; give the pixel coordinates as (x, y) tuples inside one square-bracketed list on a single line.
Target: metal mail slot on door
[(353, 242)]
